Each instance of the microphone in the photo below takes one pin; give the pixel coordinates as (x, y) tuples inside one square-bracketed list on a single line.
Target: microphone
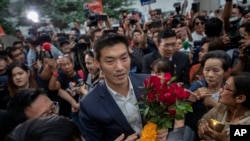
[(47, 50), (185, 45)]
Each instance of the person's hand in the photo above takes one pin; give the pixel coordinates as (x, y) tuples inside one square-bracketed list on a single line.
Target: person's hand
[(162, 135), (75, 107), (244, 43), (193, 97), (35, 66), (72, 44), (209, 101), (83, 90), (217, 135), (202, 130), (133, 137), (202, 92), (146, 24), (53, 65), (226, 40)]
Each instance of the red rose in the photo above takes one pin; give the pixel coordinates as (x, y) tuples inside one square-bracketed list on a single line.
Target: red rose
[(161, 97), (170, 99), (172, 112), (147, 82), (186, 94), (173, 87), (164, 87), (167, 77), (155, 82), (181, 93), (151, 96)]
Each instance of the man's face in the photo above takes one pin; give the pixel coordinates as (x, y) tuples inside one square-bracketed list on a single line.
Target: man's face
[(18, 55), (120, 31), (72, 35), (97, 35), (137, 37), (115, 64), (3, 64), (236, 13), (41, 107), (19, 46), (19, 35), (167, 47), (247, 17), (65, 48)]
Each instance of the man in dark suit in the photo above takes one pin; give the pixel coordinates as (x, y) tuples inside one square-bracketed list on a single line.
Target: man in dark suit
[(109, 111), (167, 49)]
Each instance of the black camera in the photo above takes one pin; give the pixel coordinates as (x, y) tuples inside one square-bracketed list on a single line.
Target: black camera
[(80, 47), (155, 24), (234, 33), (94, 18), (177, 20), (132, 21)]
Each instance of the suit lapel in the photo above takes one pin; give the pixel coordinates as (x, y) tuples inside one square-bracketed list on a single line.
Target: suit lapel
[(114, 111), (138, 92)]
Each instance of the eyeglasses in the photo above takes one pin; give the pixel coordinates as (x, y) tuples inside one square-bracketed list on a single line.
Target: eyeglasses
[(225, 87), (168, 45), (54, 109), (197, 23)]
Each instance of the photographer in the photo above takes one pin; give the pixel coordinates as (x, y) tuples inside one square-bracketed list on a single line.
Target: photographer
[(78, 48), (98, 20), (243, 63)]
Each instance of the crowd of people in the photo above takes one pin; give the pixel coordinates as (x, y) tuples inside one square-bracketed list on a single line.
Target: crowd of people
[(93, 80)]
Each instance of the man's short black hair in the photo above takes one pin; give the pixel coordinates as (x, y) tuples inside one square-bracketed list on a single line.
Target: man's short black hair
[(76, 30), (21, 100), (17, 42), (239, 8), (213, 27), (108, 40), (166, 33), (94, 31), (9, 51)]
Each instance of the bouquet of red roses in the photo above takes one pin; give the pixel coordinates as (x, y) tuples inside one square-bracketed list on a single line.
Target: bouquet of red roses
[(164, 101)]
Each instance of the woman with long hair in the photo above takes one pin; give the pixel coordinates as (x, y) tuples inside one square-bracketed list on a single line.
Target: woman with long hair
[(19, 77)]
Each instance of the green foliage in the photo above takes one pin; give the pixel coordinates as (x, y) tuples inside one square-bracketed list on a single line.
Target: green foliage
[(62, 13), (7, 26), (3, 4)]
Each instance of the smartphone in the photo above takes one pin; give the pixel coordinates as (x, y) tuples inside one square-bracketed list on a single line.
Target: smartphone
[(155, 24)]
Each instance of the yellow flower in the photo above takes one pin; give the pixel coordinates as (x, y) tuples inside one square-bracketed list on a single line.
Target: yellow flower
[(149, 132)]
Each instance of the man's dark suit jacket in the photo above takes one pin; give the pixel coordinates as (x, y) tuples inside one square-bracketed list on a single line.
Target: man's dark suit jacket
[(180, 62), (100, 116)]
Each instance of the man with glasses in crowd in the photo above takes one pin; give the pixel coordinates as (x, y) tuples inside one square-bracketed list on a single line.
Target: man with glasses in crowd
[(26, 104), (167, 49)]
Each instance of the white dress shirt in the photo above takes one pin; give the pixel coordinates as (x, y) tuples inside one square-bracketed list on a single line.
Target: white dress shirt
[(128, 106)]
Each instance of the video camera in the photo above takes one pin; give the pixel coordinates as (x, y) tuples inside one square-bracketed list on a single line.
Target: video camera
[(80, 47), (94, 18), (177, 21), (132, 20), (234, 33), (178, 18)]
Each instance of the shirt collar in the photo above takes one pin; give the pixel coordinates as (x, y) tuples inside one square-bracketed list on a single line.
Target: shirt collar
[(114, 93)]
